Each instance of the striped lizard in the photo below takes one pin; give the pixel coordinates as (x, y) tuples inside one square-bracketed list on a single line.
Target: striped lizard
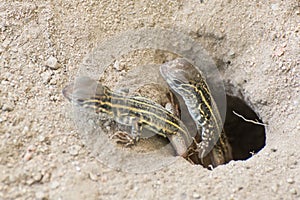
[(185, 80), (135, 111)]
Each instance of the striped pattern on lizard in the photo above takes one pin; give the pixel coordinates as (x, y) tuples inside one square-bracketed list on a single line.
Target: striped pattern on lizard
[(185, 80), (135, 111)]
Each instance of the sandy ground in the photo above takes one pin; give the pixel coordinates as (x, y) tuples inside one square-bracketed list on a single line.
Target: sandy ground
[(42, 47)]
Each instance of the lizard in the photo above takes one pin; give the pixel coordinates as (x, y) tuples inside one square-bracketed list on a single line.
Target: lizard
[(135, 111), (186, 81)]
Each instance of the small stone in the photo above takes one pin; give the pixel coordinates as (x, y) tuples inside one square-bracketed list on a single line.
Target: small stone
[(11, 179), (93, 176), (158, 182), (136, 188), (293, 191), (196, 195), (169, 107), (28, 156), (5, 43), (46, 76), (4, 82), (107, 123), (53, 82), (104, 178), (78, 168), (54, 98), (54, 184), (74, 150), (9, 106), (41, 138), (274, 188), (25, 129), (37, 177), (290, 181), (231, 54), (40, 195), (46, 178), (119, 66), (29, 153), (52, 63), (275, 6), (269, 169), (279, 52), (30, 181)]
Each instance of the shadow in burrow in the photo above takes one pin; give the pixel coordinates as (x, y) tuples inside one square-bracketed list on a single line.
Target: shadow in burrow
[(245, 137)]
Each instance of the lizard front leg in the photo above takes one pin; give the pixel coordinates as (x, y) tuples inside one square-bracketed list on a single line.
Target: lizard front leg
[(131, 138)]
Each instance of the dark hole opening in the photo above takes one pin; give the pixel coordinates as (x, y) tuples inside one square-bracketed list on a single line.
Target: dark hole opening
[(244, 137)]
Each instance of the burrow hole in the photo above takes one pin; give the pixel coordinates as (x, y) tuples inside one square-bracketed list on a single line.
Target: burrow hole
[(245, 138)]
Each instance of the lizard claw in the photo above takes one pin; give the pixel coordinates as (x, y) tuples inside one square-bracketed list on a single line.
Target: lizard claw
[(200, 149), (124, 138)]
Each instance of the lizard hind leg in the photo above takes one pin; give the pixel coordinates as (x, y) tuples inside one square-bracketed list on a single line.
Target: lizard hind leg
[(124, 138), (131, 138)]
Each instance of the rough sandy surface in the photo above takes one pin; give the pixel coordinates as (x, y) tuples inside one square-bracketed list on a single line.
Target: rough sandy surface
[(42, 47)]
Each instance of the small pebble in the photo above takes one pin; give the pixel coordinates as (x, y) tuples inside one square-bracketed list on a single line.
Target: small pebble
[(40, 195), (29, 153), (53, 82), (54, 185), (293, 191), (74, 150), (46, 178), (93, 176), (275, 6), (117, 65), (231, 53), (269, 169), (25, 129), (8, 107), (274, 188), (52, 63), (46, 76), (107, 123), (78, 168), (104, 178), (37, 177), (5, 43), (30, 181), (41, 138), (196, 195), (290, 181), (279, 52), (169, 107)]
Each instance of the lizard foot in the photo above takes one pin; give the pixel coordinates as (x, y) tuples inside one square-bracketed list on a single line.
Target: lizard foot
[(124, 138)]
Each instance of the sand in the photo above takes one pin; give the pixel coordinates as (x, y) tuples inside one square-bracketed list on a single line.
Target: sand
[(43, 45)]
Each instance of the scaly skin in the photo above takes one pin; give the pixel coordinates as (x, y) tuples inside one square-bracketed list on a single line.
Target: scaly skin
[(185, 80), (137, 112)]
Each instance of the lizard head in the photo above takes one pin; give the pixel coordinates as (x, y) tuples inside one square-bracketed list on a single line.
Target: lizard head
[(180, 75), (83, 89)]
